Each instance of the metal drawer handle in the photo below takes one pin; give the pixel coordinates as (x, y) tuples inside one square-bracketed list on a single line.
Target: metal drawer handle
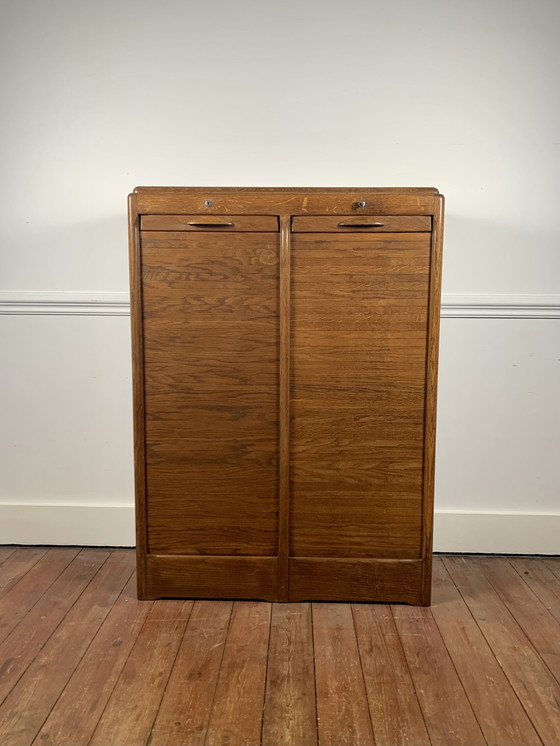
[(361, 225), (201, 224)]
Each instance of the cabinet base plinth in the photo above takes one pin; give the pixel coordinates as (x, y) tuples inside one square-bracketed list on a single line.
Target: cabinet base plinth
[(362, 580), (311, 579), (180, 576)]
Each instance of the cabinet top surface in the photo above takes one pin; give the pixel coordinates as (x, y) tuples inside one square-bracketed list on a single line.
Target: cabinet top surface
[(286, 200), (296, 190)]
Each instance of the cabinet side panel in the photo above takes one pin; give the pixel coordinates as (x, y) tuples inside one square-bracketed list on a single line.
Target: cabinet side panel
[(359, 347), (431, 400), (138, 391), (211, 357)]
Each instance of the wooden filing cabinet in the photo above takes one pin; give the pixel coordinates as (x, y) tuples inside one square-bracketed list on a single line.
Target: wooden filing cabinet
[(285, 363)]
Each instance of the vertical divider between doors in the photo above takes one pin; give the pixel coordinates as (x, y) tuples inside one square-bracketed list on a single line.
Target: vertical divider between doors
[(284, 411)]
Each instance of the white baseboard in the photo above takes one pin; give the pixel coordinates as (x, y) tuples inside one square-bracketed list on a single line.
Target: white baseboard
[(497, 533), (113, 525), (67, 525)]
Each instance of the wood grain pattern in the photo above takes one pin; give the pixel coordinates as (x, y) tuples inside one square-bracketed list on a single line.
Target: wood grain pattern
[(211, 327), (447, 711), (338, 578), (463, 670), (374, 223), (29, 589), (5, 552), (28, 704), (284, 395), (76, 713), (211, 577), (220, 303), (342, 712), (540, 626), (500, 715), (288, 362), (227, 261), (431, 399), (360, 355), (541, 581), (226, 201), (290, 713), (356, 471), (138, 393), (553, 564), (395, 713), (357, 524), (184, 714), (208, 222), (237, 709), (16, 565), (132, 708), (21, 646), (325, 466), (529, 676), (371, 255)]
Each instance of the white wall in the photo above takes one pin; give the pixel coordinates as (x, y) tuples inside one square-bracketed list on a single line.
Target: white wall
[(99, 97)]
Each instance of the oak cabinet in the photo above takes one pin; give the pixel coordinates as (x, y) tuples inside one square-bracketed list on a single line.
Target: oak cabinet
[(285, 361)]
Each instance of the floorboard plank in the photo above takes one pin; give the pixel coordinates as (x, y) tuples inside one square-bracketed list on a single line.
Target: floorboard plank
[(132, 707), (395, 712), (184, 714), (22, 645), (541, 581), (17, 564), (236, 716), (342, 709), (553, 564), (76, 713), (500, 715), (31, 587), (27, 706), (5, 552), (533, 617), (536, 687), (447, 711), (83, 661), (290, 714)]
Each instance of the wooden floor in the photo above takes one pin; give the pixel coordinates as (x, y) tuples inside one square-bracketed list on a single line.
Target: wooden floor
[(83, 662)]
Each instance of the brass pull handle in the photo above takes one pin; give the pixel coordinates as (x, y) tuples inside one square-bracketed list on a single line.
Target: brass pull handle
[(210, 224), (361, 225)]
